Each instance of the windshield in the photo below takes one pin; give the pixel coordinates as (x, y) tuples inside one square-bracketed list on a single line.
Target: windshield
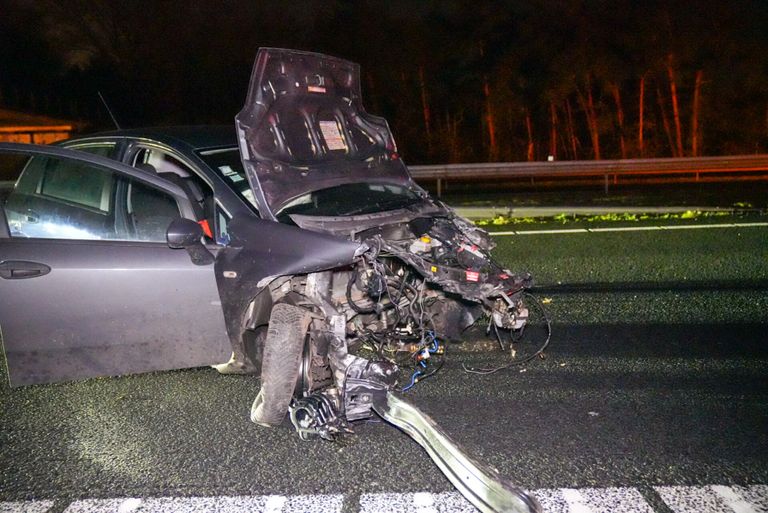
[(350, 199), (226, 162)]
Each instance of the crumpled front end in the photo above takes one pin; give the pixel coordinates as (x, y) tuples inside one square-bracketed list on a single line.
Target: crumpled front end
[(357, 306)]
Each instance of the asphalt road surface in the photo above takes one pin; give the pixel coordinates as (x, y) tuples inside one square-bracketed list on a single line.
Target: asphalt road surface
[(653, 397)]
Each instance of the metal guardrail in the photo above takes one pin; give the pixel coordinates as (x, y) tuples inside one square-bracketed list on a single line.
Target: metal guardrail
[(609, 170)]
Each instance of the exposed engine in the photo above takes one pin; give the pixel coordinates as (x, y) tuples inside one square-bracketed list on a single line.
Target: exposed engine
[(385, 322)]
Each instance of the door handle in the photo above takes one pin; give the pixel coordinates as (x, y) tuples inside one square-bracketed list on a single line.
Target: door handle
[(20, 269)]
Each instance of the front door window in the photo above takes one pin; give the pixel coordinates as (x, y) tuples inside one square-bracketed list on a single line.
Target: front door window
[(68, 199)]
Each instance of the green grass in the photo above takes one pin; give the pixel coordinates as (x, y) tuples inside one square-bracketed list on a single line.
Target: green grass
[(690, 217), (715, 276), (720, 194), (729, 254)]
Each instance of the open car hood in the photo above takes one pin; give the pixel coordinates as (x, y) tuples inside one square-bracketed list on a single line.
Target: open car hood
[(303, 128)]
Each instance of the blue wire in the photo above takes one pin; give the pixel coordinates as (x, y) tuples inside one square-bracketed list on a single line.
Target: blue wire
[(413, 380), (432, 350)]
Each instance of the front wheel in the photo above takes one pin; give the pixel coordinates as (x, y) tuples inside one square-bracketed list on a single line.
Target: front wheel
[(283, 348)]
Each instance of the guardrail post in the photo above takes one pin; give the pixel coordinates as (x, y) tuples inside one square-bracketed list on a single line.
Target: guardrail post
[(606, 183), (439, 187)]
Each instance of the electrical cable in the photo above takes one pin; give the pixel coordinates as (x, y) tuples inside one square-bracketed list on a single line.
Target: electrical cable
[(539, 351)]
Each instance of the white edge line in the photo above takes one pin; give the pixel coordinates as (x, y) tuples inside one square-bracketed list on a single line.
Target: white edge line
[(627, 229)]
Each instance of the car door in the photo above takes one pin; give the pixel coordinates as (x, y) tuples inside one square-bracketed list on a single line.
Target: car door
[(88, 284)]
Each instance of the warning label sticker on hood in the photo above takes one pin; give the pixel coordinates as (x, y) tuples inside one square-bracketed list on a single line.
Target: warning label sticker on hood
[(332, 136)]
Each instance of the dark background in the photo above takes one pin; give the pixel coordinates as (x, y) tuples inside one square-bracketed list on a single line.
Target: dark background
[(458, 81)]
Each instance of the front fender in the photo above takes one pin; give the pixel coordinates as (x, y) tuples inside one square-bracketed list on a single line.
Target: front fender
[(262, 249)]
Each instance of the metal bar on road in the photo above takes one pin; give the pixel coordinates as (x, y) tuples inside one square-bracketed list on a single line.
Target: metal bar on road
[(482, 485)]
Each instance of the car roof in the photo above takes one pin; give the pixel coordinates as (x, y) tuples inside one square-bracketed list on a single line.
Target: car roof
[(194, 138)]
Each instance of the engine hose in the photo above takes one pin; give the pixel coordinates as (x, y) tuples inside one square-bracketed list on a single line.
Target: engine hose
[(359, 309), (414, 301), (351, 302), (435, 342)]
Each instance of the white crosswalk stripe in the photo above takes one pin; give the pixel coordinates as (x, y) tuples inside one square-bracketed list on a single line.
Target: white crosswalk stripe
[(680, 499), (715, 498)]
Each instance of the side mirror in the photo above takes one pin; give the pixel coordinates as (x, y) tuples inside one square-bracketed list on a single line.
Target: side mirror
[(187, 234)]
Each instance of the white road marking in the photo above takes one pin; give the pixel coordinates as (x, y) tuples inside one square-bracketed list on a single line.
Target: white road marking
[(424, 502), (237, 504), (275, 504), (680, 499), (629, 229), (575, 501), (445, 502), (733, 499), (25, 506), (592, 500), (715, 498), (129, 505), (756, 495), (564, 500)]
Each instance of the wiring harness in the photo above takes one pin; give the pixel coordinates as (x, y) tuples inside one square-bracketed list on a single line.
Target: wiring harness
[(399, 326)]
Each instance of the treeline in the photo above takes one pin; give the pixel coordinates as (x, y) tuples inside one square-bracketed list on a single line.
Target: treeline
[(584, 80), (458, 81)]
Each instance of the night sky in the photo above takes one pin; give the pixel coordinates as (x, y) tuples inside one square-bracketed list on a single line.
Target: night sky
[(458, 81)]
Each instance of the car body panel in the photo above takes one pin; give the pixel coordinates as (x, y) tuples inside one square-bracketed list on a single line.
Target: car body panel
[(303, 128), (106, 307), (261, 250), (102, 310)]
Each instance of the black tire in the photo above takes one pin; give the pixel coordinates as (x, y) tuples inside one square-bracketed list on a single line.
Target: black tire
[(253, 343), (283, 348)]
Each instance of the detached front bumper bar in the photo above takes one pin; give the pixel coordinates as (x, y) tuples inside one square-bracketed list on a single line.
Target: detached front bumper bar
[(479, 483), (367, 387)]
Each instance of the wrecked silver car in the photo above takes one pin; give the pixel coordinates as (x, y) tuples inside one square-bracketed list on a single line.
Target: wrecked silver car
[(341, 282)]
